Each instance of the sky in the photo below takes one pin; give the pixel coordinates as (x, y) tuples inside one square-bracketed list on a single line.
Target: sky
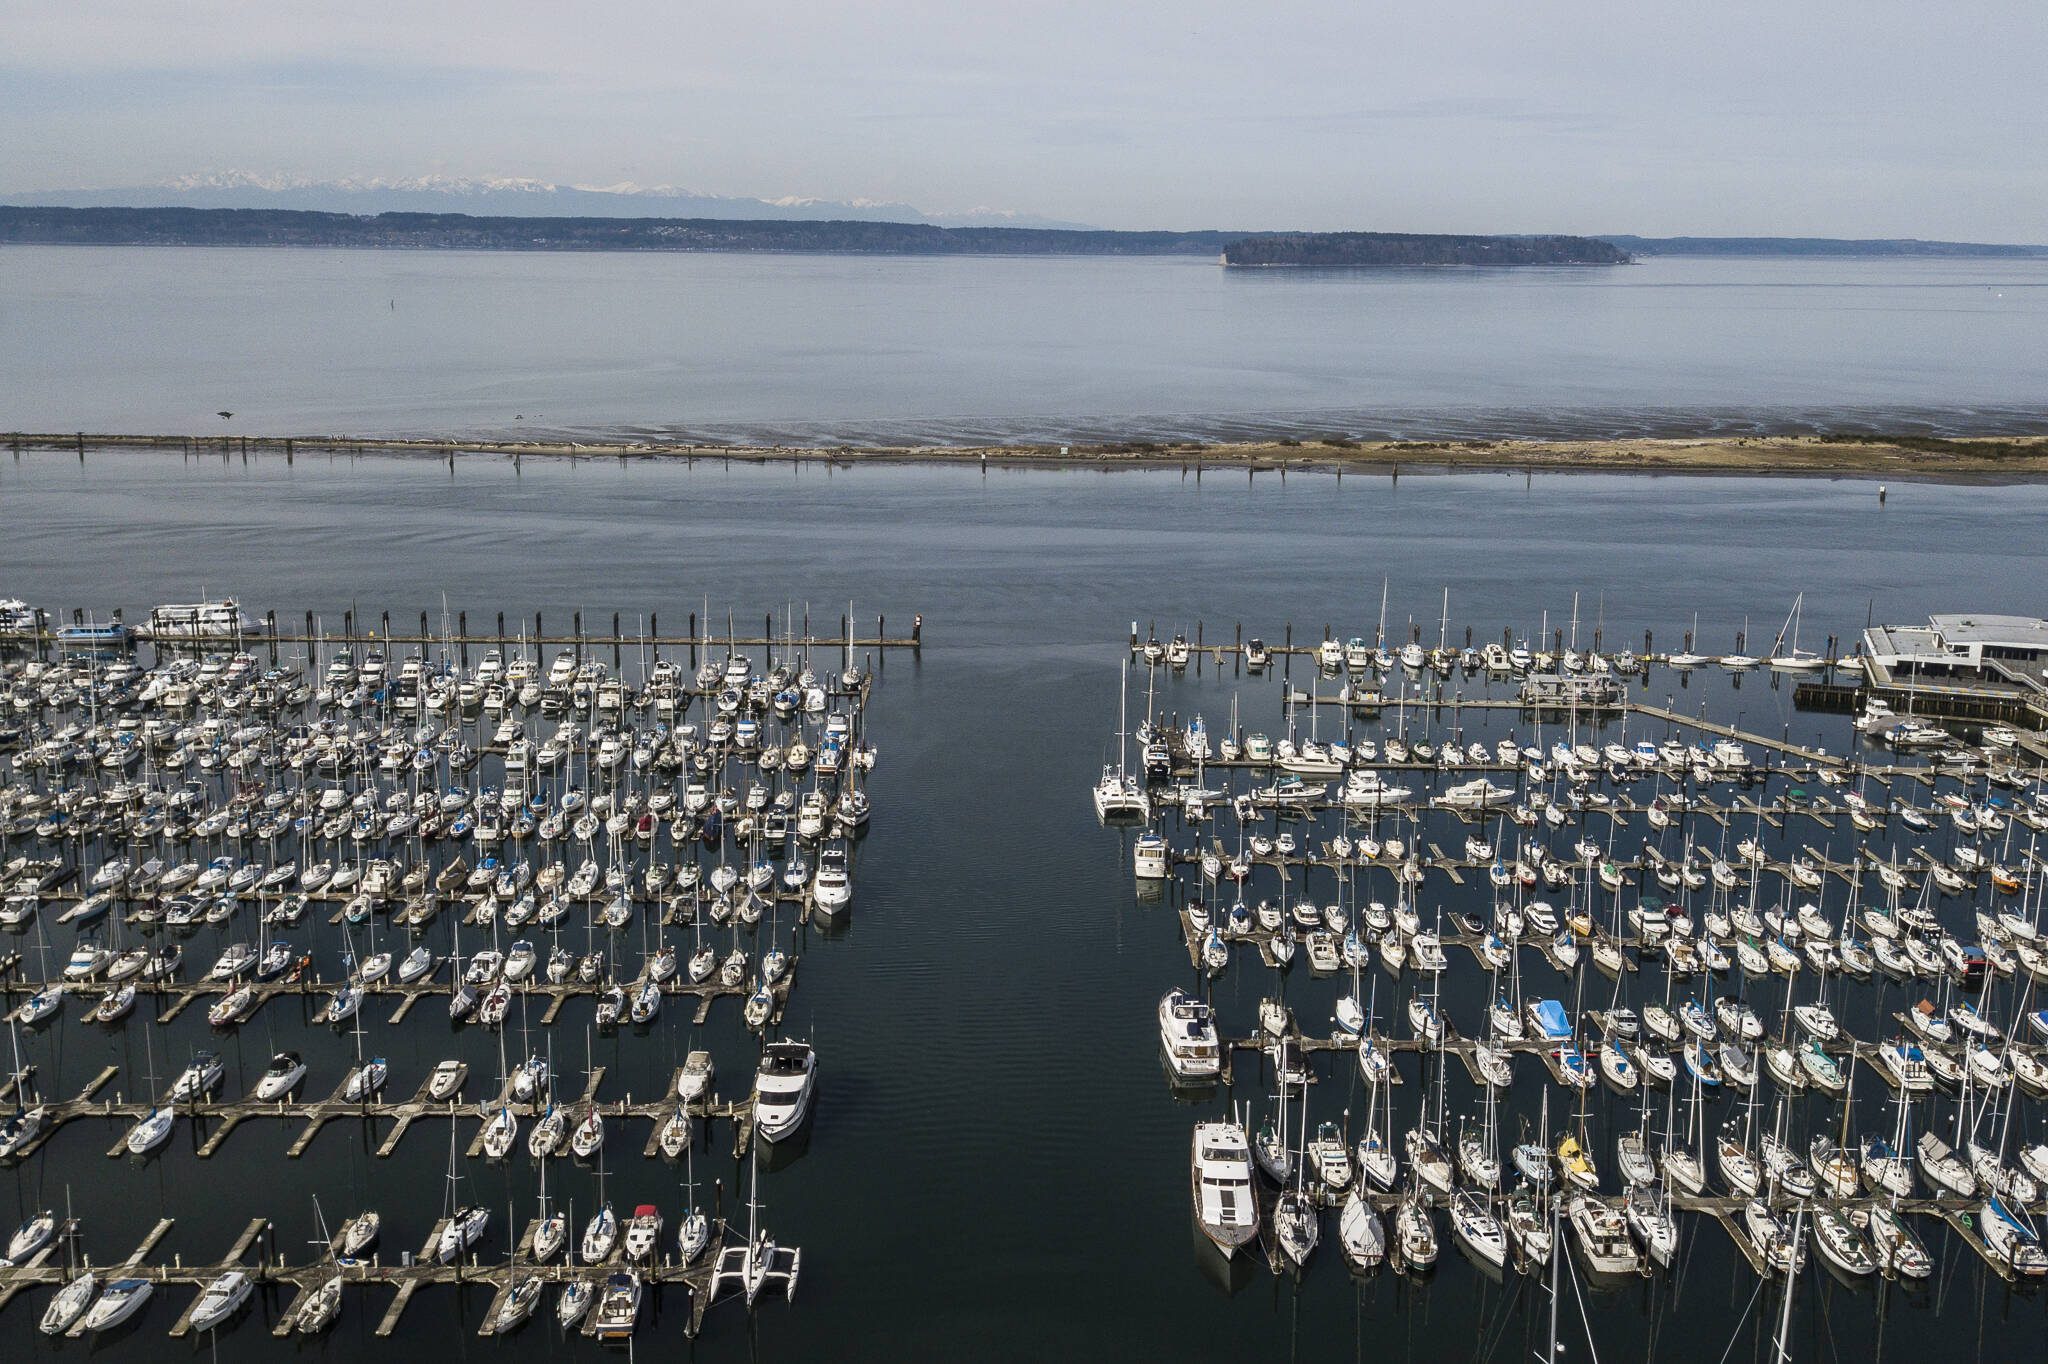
[(1812, 117)]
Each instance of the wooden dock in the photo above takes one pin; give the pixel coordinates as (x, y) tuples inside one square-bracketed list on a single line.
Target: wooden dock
[(217, 1119)]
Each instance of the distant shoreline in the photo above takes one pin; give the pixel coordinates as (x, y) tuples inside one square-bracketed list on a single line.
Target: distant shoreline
[(1989, 458), (172, 225)]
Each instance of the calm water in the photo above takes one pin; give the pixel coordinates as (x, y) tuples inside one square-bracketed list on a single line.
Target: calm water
[(829, 348), (997, 1168)]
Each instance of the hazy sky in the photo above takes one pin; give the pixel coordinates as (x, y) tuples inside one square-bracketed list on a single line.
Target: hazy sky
[(1838, 117)]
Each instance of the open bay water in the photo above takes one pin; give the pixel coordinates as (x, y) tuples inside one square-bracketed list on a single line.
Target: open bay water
[(831, 349), (996, 1168)]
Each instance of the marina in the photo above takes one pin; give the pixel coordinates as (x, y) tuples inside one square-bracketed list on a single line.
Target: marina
[(197, 792), (1682, 871), (966, 878)]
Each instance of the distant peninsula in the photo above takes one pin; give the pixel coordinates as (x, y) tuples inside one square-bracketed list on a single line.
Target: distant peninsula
[(23, 225), (1818, 246), (34, 224), (461, 231), (1327, 249)]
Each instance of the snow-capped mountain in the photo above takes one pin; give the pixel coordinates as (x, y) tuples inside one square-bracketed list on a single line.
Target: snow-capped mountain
[(516, 196)]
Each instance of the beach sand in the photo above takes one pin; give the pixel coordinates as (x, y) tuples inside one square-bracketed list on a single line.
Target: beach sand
[(1988, 457)]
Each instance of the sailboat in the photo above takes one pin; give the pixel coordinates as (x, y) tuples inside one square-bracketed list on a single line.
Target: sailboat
[(1120, 794), (1361, 1233), (322, 1306), (760, 1263), (694, 1234), (153, 1129), (1792, 658), (465, 1225), (1477, 1229), (551, 1230), (1296, 1224)]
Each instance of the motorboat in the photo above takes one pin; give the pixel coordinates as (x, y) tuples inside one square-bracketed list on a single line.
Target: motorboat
[(696, 1076), (221, 1299), (446, 1081), (1601, 1234), (201, 1076), (122, 1299), (1329, 1156), (784, 1085), (281, 1077), (618, 1307)]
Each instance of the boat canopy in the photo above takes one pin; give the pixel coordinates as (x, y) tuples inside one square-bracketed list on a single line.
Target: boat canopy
[(1550, 1016)]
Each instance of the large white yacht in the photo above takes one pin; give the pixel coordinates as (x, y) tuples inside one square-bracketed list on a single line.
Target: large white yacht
[(1148, 857), (1221, 1174), (223, 619), (831, 886), (783, 1087), (1187, 1028)]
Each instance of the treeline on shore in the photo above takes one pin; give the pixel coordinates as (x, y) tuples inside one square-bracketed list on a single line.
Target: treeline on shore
[(170, 226), (456, 231)]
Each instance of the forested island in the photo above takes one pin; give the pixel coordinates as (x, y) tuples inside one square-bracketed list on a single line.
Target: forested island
[(456, 231), (1325, 249)]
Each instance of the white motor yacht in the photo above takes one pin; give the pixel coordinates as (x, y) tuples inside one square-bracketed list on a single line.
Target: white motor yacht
[(1220, 1171), (222, 1299), (1187, 1029), (784, 1086)]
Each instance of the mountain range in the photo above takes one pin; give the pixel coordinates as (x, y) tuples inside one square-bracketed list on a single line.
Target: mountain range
[(500, 197)]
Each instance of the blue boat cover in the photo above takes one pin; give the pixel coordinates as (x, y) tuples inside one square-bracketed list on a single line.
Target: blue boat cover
[(1550, 1016)]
